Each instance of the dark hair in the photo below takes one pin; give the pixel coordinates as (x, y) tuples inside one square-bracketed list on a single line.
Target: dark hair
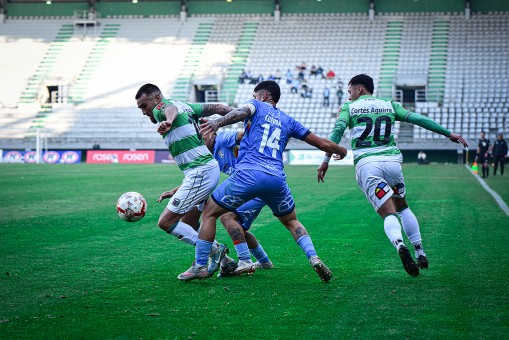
[(147, 89), (364, 80), (483, 132), (271, 87)]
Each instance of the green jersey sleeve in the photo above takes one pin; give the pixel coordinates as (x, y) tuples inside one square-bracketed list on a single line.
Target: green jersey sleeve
[(341, 124), (197, 108), (158, 111), (405, 115)]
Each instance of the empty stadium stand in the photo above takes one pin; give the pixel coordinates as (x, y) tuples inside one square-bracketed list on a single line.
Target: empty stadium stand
[(459, 66)]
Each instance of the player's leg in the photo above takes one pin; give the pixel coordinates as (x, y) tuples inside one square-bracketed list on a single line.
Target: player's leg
[(228, 196), (394, 175), (304, 241), (236, 232), (371, 180), (192, 218), (412, 230), (255, 248), (245, 216), (204, 243), (502, 160)]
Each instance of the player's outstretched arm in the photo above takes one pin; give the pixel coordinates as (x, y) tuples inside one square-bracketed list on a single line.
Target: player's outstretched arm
[(325, 144), (215, 109), (458, 139), (208, 127)]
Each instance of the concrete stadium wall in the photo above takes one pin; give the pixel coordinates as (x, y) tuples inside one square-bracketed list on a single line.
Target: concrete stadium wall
[(140, 8)]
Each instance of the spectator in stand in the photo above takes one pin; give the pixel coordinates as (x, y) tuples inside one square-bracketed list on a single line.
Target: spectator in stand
[(319, 71), (277, 76), (301, 75), (312, 71), (330, 74), (326, 94), (271, 77), (306, 91), (499, 152), (289, 76), (243, 76), (302, 66), (339, 95), (295, 85), (340, 83), (259, 79), (96, 146)]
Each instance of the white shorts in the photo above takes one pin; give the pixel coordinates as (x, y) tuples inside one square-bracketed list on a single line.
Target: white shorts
[(196, 187), (380, 181)]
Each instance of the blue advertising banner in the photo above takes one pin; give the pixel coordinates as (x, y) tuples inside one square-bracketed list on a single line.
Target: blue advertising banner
[(50, 156)]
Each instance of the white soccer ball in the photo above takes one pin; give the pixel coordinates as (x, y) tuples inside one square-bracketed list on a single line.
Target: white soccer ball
[(131, 206)]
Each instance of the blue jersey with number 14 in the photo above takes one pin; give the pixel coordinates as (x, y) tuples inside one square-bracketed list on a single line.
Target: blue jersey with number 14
[(267, 132)]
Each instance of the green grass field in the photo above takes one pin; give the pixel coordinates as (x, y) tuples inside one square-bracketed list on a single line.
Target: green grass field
[(70, 268)]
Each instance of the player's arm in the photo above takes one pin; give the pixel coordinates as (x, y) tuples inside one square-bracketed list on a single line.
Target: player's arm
[(335, 136), (428, 124), (236, 115), (167, 194), (215, 109), (325, 144), (170, 112)]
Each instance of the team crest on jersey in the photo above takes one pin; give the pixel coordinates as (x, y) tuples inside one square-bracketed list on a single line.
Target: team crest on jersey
[(398, 188), (381, 190), (176, 202)]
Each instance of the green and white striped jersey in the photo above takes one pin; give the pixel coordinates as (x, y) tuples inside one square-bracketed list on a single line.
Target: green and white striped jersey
[(183, 140), (371, 122)]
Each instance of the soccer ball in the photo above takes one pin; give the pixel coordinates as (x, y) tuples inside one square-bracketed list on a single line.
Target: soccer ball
[(131, 206)]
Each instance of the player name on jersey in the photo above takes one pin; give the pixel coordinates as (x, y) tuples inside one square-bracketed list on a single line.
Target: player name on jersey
[(372, 110)]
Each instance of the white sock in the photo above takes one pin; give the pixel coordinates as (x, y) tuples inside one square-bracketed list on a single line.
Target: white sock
[(411, 228), (393, 230), (185, 233)]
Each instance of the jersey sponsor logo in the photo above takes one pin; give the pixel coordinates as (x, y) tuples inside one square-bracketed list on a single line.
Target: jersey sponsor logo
[(161, 105), (381, 190)]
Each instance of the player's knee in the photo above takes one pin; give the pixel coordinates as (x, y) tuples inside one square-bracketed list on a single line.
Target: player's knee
[(227, 217)]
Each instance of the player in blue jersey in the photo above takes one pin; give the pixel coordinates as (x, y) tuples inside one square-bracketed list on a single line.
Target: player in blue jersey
[(259, 173), (224, 146)]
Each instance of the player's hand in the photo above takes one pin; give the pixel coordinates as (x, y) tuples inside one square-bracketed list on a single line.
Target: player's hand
[(322, 170), (209, 126), (164, 127), (165, 195), (458, 139)]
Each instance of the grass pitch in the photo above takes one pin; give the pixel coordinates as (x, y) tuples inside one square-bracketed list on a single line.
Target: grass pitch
[(70, 268)]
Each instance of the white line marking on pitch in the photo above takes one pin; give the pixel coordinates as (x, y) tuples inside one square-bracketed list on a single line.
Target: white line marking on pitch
[(496, 196)]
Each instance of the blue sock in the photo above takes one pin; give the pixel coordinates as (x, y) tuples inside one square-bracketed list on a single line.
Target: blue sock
[(260, 254), (307, 245), (242, 251), (203, 249)]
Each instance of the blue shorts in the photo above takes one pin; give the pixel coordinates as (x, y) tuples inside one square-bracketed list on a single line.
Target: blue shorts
[(248, 212), (245, 185)]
